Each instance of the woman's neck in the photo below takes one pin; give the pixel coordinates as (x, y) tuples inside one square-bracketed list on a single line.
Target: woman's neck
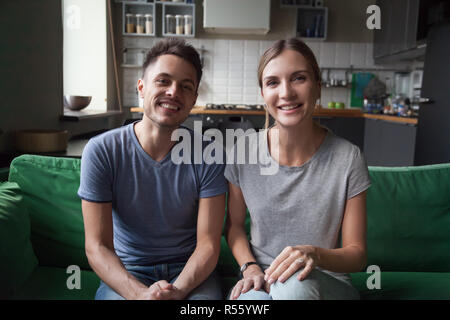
[(296, 145)]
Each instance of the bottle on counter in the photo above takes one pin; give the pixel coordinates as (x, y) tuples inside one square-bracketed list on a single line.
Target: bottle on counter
[(140, 23), (148, 24), (130, 20), (187, 24), (179, 24)]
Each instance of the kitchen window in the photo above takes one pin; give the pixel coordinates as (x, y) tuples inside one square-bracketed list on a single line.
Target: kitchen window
[(84, 51)]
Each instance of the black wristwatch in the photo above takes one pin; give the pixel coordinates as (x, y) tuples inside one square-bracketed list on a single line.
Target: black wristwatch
[(245, 266)]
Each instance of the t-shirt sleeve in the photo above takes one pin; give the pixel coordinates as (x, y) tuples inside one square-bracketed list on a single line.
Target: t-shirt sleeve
[(96, 174), (358, 178), (232, 173), (213, 182)]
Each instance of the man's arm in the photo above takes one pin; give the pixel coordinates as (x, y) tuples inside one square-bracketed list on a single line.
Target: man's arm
[(204, 259), (101, 255)]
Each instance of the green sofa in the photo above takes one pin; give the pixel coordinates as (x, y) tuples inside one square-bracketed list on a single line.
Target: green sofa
[(41, 233)]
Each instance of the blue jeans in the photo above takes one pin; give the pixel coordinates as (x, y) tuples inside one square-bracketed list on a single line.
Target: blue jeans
[(209, 290), (317, 285)]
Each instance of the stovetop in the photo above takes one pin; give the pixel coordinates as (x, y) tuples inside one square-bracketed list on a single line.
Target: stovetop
[(214, 106)]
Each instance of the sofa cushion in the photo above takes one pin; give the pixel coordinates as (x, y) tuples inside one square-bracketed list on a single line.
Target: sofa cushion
[(17, 259), (405, 285), (408, 218), (49, 186), (50, 283)]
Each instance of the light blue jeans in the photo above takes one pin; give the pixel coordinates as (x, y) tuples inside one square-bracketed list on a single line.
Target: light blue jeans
[(317, 285), (210, 289)]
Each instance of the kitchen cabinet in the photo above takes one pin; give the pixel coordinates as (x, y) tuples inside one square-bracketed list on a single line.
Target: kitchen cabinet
[(186, 11), (132, 27), (351, 129), (400, 34), (236, 16), (155, 14), (389, 144)]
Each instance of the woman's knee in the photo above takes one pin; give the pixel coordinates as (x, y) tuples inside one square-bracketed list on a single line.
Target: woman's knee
[(293, 289)]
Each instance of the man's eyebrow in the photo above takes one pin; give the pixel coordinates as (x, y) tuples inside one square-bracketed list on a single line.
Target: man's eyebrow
[(164, 74)]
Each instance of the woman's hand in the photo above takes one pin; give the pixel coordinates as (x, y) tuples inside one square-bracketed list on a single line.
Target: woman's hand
[(253, 279), (289, 261)]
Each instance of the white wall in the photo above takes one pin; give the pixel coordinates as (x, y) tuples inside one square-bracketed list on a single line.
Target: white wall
[(84, 51), (230, 68)]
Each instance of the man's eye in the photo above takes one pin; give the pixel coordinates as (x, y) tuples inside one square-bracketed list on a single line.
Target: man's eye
[(188, 88), (162, 81)]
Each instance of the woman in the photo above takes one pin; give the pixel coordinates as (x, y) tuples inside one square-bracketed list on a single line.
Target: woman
[(308, 220)]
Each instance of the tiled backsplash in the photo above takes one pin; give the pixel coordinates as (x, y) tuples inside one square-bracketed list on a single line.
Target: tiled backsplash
[(230, 68)]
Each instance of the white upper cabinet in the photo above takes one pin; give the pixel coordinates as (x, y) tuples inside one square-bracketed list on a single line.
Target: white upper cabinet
[(236, 16)]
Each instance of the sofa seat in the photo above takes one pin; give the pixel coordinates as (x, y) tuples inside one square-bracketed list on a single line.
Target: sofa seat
[(50, 283), (405, 286)]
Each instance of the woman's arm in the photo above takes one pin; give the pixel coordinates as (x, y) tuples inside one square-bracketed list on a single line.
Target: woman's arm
[(350, 258), (238, 242)]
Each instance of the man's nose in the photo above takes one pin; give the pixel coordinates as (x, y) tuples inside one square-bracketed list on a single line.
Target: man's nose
[(173, 89)]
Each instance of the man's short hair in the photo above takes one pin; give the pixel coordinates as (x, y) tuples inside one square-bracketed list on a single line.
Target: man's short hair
[(177, 47)]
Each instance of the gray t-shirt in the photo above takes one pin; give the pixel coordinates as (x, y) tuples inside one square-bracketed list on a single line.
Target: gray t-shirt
[(298, 205)]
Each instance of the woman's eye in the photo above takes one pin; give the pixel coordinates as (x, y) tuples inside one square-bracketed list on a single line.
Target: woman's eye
[(271, 83), (300, 78)]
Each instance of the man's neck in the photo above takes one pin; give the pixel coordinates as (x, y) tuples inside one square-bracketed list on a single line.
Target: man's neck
[(154, 139)]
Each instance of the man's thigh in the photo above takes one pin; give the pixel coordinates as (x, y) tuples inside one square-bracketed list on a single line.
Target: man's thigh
[(210, 289)]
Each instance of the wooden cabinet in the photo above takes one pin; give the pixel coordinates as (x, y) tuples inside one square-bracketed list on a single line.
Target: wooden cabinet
[(388, 143)]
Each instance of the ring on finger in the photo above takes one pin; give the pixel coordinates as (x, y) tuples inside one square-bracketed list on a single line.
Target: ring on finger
[(299, 260)]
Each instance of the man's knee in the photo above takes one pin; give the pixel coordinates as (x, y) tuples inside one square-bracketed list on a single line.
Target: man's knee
[(104, 292), (293, 289)]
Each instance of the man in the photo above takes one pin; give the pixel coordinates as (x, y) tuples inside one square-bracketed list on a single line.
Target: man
[(153, 227)]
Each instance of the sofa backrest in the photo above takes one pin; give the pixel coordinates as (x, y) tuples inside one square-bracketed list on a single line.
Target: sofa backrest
[(49, 187), (408, 212)]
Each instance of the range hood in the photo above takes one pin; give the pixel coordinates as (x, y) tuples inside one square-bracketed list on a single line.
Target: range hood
[(236, 16)]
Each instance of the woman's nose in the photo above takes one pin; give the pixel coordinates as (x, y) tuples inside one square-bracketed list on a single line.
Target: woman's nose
[(287, 91)]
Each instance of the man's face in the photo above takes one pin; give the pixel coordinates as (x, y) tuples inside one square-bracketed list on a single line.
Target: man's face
[(169, 90)]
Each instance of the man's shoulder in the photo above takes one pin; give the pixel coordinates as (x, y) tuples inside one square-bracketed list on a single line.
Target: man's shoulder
[(112, 136)]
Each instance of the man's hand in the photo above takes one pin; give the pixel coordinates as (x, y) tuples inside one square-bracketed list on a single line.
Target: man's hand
[(161, 290)]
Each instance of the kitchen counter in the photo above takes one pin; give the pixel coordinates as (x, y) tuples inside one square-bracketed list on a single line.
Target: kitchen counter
[(391, 118), (318, 112)]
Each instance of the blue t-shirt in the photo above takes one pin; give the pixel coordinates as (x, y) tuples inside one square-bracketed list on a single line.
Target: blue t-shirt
[(154, 204)]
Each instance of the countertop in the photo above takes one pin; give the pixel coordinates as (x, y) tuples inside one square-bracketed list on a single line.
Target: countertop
[(318, 112)]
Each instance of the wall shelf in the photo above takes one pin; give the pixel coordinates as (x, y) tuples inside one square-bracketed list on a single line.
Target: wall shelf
[(141, 8)]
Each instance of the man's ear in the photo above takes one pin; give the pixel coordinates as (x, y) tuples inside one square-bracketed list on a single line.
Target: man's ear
[(140, 88)]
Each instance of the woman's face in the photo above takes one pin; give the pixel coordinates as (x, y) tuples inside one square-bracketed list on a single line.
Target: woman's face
[(289, 88)]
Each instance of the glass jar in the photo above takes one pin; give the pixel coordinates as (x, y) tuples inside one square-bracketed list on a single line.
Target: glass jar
[(179, 24), (140, 23), (170, 23), (130, 22), (148, 24), (188, 24)]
